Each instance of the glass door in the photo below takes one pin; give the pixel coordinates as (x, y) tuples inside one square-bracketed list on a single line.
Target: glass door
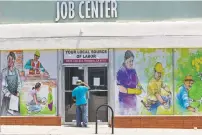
[(71, 75), (97, 80)]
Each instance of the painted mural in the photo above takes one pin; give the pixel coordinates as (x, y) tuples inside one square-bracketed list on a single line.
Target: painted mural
[(11, 83), (188, 81), (28, 82), (40, 64), (143, 82), (37, 97)]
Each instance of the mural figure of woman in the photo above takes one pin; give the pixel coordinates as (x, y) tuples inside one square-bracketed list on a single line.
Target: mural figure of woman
[(34, 104), (128, 85)]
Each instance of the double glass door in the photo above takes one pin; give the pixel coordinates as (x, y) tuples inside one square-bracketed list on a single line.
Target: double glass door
[(96, 77)]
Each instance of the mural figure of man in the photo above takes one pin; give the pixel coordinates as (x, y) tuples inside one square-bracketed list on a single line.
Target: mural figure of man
[(154, 91), (11, 86), (182, 95), (34, 65)]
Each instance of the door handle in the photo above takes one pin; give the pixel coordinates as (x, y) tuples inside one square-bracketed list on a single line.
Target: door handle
[(97, 90), (99, 120)]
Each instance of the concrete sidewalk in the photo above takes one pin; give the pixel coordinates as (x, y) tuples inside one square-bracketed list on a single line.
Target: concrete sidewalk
[(103, 129)]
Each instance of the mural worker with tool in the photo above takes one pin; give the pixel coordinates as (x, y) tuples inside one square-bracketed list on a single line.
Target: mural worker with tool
[(183, 96), (11, 86), (79, 94), (34, 66), (128, 85), (154, 91)]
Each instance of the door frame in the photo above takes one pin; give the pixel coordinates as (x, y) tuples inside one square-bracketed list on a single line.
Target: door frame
[(64, 91), (101, 65), (85, 66)]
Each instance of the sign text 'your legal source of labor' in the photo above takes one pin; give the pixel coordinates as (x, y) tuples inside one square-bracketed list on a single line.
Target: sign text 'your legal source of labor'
[(86, 9)]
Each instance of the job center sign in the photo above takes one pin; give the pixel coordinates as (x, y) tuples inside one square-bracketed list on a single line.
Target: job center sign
[(86, 56), (86, 9)]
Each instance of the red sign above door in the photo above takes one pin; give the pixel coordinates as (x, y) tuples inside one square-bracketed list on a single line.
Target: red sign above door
[(86, 56)]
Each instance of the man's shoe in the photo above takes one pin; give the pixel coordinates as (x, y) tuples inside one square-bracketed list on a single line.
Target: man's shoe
[(79, 125), (84, 125)]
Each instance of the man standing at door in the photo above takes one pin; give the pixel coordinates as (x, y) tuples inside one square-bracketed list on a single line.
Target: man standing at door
[(81, 103)]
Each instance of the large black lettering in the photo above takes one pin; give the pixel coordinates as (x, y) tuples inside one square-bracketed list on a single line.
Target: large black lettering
[(70, 52), (98, 51), (89, 56), (78, 56)]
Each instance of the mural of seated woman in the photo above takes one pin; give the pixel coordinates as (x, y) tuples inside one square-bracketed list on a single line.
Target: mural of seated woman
[(34, 106)]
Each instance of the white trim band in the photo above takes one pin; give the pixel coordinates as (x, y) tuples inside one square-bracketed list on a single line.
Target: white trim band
[(101, 35)]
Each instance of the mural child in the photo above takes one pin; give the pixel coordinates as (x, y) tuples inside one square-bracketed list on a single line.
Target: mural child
[(35, 67), (154, 90), (128, 85), (11, 86), (50, 99), (183, 96)]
